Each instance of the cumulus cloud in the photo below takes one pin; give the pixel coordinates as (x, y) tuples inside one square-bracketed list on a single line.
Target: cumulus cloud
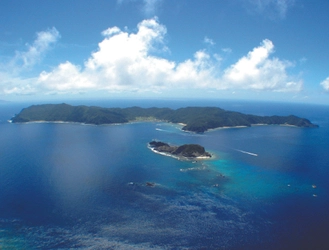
[(257, 71), (126, 62), (122, 62), (325, 84)]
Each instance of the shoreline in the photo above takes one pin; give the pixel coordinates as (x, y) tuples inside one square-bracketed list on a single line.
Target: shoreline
[(181, 158), (164, 154), (252, 125), (155, 120), (225, 127), (78, 123)]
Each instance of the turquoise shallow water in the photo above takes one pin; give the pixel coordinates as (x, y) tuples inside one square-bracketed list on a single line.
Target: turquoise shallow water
[(67, 186)]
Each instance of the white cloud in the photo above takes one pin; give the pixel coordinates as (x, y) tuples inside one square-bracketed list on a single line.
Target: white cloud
[(303, 60), (149, 7), (35, 51), (325, 84), (66, 77), (257, 71), (10, 84), (273, 8), (283, 5), (111, 31), (125, 62), (209, 41), (199, 72), (122, 62), (11, 79), (227, 50)]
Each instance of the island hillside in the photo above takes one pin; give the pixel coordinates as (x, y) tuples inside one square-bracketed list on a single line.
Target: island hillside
[(186, 150), (196, 119)]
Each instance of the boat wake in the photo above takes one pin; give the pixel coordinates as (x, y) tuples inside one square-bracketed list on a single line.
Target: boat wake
[(246, 152)]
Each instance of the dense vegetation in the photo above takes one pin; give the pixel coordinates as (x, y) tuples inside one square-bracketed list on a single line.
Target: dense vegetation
[(186, 150), (197, 119)]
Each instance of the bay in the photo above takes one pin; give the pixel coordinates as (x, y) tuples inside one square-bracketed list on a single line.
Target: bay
[(69, 186)]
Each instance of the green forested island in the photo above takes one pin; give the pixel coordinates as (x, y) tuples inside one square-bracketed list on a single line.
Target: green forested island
[(195, 119), (186, 150)]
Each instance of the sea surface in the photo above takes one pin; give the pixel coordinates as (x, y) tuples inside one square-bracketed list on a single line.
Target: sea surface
[(73, 186)]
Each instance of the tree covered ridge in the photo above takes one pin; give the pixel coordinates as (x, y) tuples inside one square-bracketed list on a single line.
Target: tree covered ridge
[(196, 119), (186, 150)]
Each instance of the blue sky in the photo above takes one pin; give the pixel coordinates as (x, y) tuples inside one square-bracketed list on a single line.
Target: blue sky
[(215, 49)]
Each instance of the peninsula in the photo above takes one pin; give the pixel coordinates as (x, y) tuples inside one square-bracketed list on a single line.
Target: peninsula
[(189, 151), (195, 119)]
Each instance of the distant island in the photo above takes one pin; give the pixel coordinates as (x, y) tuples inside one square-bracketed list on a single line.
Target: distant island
[(189, 151), (193, 119)]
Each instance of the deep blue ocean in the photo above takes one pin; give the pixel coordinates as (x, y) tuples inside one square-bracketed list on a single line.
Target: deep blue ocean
[(72, 186)]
